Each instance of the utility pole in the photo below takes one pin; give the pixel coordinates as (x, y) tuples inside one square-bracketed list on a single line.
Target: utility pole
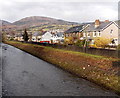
[(86, 38)]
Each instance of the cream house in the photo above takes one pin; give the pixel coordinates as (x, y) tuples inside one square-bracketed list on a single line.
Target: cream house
[(36, 37), (106, 29), (73, 34), (18, 37)]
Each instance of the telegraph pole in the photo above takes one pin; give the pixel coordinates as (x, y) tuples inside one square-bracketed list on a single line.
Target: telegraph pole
[(86, 38)]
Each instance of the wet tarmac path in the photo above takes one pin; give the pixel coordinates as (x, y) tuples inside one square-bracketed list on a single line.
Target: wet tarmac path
[(26, 75)]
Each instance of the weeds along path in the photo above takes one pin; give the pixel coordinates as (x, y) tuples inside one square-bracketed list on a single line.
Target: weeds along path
[(97, 69)]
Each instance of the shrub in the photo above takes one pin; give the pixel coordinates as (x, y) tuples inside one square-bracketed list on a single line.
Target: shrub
[(102, 42), (69, 40), (92, 46), (118, 47), (80, 43)]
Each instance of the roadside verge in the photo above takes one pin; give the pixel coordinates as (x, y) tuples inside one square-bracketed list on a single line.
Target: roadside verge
[(98, 69)]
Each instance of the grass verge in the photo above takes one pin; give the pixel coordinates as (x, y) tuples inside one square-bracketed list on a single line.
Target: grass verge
[(98, 69)]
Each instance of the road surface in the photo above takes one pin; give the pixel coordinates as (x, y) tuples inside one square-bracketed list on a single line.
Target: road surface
[(26, 75)]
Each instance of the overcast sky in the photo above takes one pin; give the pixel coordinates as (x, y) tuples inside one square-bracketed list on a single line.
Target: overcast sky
[(70, 10)]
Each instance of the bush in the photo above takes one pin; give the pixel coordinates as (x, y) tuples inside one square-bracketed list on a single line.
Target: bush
[(118, 47), (80, 43), (69, 40), (102, 42), (92, 46)]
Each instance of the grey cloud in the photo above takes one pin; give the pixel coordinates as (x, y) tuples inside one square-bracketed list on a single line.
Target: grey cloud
[(71, 11)]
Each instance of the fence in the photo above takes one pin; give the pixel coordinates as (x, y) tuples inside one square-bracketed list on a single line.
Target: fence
[(101, 52)]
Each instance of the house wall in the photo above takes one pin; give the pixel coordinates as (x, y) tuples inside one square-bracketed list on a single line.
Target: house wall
[(46, 37), (106, 33), (90, 35), (110, 32), (36, 38), (20, 39), (77, 35)]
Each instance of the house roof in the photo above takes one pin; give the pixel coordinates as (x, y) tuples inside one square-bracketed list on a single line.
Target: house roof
[(43, 33), (102, 26), (60, 34), (118, 23), (36, 34), (18, 35), (75, 29)]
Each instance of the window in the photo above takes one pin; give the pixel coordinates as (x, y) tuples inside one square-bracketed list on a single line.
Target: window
[(74, 34), (66, 35), (111, 31), (84, 35), (99, 34), (94, 34), (88, 34), (38, 38)]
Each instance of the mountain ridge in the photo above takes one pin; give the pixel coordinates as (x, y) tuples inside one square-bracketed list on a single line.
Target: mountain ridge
[(37, 21), (4, 22), (40, 20)]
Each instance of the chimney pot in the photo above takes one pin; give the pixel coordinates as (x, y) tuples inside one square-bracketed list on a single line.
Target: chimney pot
[(97, 23), (106, 20)]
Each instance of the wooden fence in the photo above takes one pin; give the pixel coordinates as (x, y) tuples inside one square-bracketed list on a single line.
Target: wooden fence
[(95, 51)]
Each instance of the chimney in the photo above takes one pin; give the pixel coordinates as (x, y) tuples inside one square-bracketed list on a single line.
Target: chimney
[(106, 20), (97, 23)]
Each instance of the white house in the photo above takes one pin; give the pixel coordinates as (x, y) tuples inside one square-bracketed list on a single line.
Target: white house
[(58, 37), (52, 38), (18, 37), (46, 37)]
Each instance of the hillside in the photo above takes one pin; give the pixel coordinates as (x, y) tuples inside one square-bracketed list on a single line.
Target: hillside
[(3, 22), (37, 21)]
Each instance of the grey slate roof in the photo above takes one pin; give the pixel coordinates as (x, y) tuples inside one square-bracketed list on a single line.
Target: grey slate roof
[(60, 34), (74, 29), (118, 23), (42, 33), (99, 28), (36, 34), (20, 35)]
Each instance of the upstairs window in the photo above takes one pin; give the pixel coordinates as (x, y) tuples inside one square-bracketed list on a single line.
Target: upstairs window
[(99, 34), (111, 31), (84, 35), (66, 35), (88, 34), (38, 38), (94, 34)]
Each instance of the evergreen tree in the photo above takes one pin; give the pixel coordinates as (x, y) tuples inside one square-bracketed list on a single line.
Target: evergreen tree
[(25, 36)]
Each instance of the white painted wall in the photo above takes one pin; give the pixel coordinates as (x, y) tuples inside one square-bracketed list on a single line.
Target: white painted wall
[(46, 37)]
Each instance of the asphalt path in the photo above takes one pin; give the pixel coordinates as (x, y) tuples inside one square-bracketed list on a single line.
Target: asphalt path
[(26, 75)]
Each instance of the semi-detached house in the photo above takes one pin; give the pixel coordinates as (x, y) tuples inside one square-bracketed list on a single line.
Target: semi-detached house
[(107, 30)]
